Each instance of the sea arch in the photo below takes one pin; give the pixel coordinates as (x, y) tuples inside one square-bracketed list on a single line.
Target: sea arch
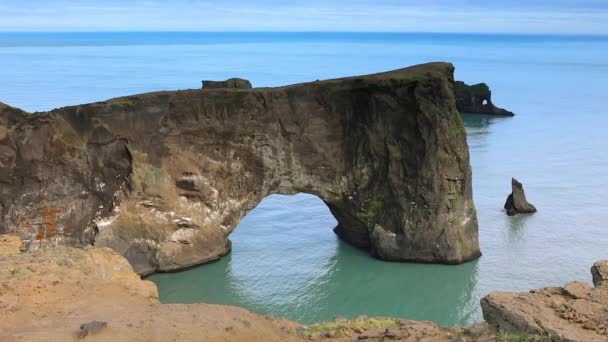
[(164, 178)]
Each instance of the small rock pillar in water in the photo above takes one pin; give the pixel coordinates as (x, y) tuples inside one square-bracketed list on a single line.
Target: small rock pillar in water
[(516, 202)]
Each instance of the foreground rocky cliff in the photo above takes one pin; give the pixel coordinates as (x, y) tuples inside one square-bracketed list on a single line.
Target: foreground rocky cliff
[(48, 294), (164, 178)]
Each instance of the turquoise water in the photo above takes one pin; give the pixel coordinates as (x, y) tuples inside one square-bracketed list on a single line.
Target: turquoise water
[(286, 259)]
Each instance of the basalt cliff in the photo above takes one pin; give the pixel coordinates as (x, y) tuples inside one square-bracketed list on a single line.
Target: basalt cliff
[(164, 178)]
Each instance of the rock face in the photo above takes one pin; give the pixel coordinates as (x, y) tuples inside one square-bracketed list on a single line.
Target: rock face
[(476, 99), (516, 202), (164, 178), (574, 313), (232, 83), (599, 271)]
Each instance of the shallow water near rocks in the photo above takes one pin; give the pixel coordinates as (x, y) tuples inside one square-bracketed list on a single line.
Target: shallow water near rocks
[(286, 260)]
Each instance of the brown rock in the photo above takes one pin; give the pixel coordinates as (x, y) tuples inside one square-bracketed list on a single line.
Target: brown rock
[(577, 289), (557, 302), (599, 271), (535, 313), (164, 178)]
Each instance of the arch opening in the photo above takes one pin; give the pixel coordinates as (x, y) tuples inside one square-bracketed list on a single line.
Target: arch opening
[(287, 262)]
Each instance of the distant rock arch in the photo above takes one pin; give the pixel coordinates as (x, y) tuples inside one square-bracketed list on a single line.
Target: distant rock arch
[(476, 99), (163, 178)]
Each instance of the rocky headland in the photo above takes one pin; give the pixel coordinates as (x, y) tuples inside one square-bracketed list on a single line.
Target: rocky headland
[(476, 99), (50, 294), (164, 178)]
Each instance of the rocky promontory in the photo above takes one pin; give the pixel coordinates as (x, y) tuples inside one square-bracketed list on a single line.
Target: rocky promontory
[(476, 99), (164, 178)]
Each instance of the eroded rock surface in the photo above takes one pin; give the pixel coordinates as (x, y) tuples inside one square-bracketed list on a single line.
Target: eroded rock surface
[(164, 178), (599, 272), (516, 201), (575, 313), (476, 99)]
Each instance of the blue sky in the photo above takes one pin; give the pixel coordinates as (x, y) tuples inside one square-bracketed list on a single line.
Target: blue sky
[(517, 16)]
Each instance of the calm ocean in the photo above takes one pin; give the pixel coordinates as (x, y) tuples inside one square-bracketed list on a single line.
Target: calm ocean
[(286, 259)]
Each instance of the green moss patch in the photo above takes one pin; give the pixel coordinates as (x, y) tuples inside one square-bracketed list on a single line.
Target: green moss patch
[(339, 327), (371, 210)]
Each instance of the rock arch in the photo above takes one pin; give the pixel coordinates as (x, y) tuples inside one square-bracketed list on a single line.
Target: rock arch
[(164, 178), (476, 98)]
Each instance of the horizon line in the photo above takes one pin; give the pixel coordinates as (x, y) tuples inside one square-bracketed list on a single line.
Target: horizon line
[(503, 33)]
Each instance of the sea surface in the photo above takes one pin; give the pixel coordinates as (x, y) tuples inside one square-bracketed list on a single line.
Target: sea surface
[(286, 260)]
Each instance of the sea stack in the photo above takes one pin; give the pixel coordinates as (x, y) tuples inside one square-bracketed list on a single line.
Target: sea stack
[(516, 202)]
